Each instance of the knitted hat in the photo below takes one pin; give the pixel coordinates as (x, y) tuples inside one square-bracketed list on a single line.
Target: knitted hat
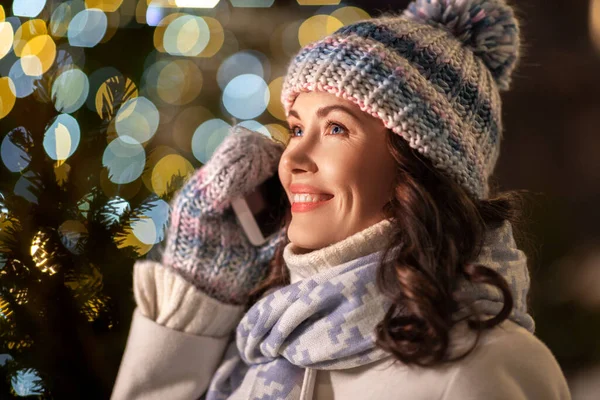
[(432, 75)]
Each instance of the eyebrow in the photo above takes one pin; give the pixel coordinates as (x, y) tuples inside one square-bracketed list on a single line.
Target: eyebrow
[(323, 111)]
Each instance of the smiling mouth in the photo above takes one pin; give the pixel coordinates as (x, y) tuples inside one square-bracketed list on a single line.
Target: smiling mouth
[(309, 205)]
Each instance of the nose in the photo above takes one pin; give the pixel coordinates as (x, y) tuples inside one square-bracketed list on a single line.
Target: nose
[(298, 157)]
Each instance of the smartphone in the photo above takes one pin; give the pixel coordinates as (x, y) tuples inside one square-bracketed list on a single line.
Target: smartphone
[(262, 212)]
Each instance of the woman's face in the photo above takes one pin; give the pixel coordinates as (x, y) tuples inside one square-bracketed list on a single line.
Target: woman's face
[(341, 151)]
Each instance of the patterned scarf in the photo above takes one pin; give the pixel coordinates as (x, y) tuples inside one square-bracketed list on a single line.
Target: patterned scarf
[(327, 321)]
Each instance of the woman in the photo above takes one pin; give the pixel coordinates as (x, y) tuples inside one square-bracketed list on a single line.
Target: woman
[(405, 281)]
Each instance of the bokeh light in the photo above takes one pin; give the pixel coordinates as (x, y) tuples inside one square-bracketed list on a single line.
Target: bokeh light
[(317, 27), (246, 96), (137, 118), (111, 92), (62, 16), (27, 31), (70, 90), (178, 82), (62, 137), (252, 3), (243, 62), (24, 84), (187, 35), (350, 15), (207, 137), (275, 107), (97, 79), (14, 154), (279, 133), (87, 28), (148, 229), (125, 159), (38, 55), (255, 126), (28, 8), (166, 169), (8, 96), (104, 5), (6, 38), (161, 26), (216, 37), (186, 123)]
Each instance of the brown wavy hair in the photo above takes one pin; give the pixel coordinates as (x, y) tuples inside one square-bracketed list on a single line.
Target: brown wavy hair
[(442, 230)]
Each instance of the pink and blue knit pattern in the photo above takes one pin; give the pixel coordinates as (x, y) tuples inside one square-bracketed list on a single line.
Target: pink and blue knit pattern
[(205, 243), (432, 75)]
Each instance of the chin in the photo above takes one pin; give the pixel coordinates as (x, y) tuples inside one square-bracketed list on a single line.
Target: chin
[(306, 243)]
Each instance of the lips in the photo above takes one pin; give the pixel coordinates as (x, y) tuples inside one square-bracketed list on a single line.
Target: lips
[(300, 188)]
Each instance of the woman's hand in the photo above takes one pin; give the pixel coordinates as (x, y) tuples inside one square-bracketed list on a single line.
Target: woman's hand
[(205, 243)]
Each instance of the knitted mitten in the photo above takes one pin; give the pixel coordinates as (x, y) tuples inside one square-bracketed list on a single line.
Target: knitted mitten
[(205, 243)]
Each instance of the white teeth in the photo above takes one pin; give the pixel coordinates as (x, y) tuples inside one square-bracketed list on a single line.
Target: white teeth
[(309, 198)]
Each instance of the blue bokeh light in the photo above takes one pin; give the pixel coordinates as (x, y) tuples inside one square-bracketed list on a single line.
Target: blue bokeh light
[(207, 138), (125, 159), (87, 28), (70, 90), (62, 137), (246, 96)]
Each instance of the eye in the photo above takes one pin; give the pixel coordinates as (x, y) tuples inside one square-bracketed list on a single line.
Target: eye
[(293, 131), (337, 128)]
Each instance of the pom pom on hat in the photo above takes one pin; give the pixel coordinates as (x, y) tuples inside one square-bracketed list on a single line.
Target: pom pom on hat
[(488, 27)]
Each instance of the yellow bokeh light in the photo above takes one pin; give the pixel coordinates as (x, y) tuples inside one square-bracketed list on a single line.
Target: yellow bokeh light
[(318, 2), (186, 36), (7, 96), (38, 55), (26, 32), (2, 14), (166, 169), (278, 132), (153, 158), (275, 107), (179, 82), (350, 15), (104, 5), (317, 27), (114, 89), (140, 12), (159, 30), (6, 38), (128, 239), (216, 38)]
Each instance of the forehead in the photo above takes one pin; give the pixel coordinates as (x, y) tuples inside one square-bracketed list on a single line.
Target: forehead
[(308, 102)]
